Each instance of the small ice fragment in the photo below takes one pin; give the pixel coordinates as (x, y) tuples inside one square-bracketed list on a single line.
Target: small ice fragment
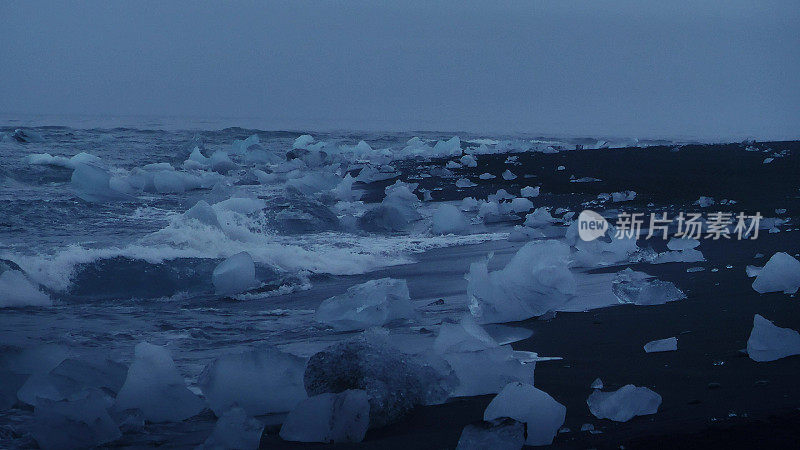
[(374, 303), (560, 168), (452, 165), (587, 427), (695, 269), (499, 434), (234, 430), (486, 176), (682, 243), (523, 402), (623, 196), (529, 191), (662, 345), (540, 217), (234, 275), (155, 387), (768, 342), (469, 161), (623, 404), (768, 160), (337, 418), (641, 289), (780, 273), (508, 175), (704, 202), (597, 384)]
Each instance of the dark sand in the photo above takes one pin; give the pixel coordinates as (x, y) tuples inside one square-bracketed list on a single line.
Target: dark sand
[(714, 396)]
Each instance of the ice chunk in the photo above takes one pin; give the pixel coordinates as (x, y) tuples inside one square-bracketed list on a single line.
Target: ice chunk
[(464, 183), (559, 168), (486, 176), (303, 141), (203, 213), (71, 377), (780, 273), (344, 190), (374, 303), (261, 381), (623, 404), (623, 196), (447, 149), (169, 182), (469, 161), (397, 211), (597, 384), (662, 345), (394, 381), (448, 219), (337, 418), (481, 365), (79, 422), (221, 163), (235, 430), (521, 205), (509, 175), (469, 204), (642, 289), (155, 387), (499, 434), (529, 192), (768, 342), (704, 202), (92, 183), (540, 217), (682, 243), (538, 410), (234, 275), (452, 165), (16, 290), (535, 280)]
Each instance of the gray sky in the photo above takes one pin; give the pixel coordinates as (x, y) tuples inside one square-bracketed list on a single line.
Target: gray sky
[(627, 68)]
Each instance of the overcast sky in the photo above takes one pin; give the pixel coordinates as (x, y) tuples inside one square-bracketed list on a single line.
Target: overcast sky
[(633, 68)]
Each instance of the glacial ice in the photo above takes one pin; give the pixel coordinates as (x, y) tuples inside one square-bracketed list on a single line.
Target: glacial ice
[(521, 205), (72, 376), (623, 404), (221, 162), (538, 410), (768, 342), (540, 217), (80, 422), (92, 183), (486, 176), (464, 183), (62, 161), (448, 219), (235, 274), (154, 386), (641, 289), (509, 175), (203, 213), (535, 280), (374, 303), (235, 430), (529, 191), (623, 196), (780, 274), (499, 434), (397, 211), (16, 290), (338, 418), (260, 381), (446, 149), (394, 382), (469, 161), (303, 141), (662, 345)]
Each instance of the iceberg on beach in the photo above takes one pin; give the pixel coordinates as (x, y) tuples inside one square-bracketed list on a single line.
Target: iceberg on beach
[(538, 410), (374, 303), (260, 381), (623, 404), (780, 274), (768, 342), (536, 280), (234, 275), (338, 418), (154, 386)]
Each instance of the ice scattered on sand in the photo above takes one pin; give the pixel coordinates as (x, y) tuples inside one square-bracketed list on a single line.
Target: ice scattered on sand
[(260, 381), (535, 280), (769, 342), (642, 289), (328, 417), (80, 422), (16, 290), (469, 161), (529, 191), (509, 175), (780, 274), (448, 219), (235, 430), (623, 404), (234, 275), (662, 345), (155, 387), (499, 434), (374, 303), (394, 382), (538, 410)]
